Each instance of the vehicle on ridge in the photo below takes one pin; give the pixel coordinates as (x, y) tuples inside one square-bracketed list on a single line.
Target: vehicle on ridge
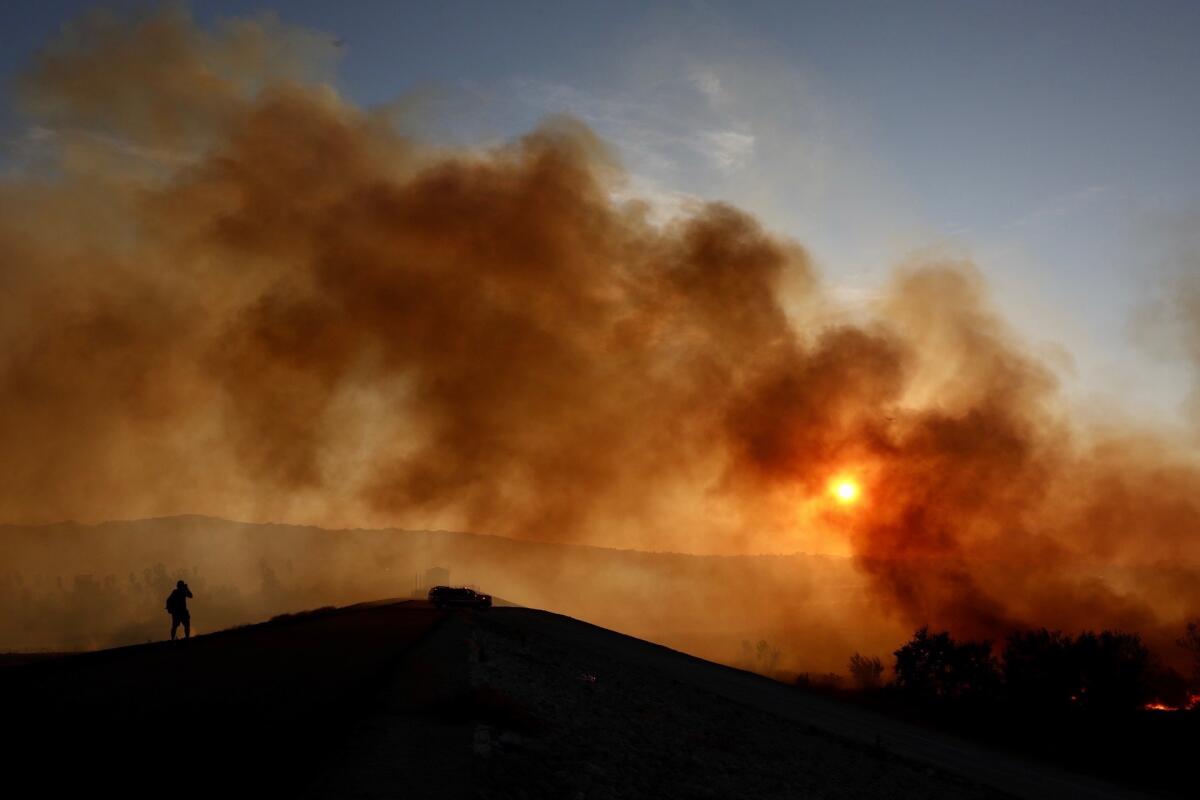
[(458, 597)]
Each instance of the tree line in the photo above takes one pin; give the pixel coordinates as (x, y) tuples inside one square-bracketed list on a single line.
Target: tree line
[(1047, 670)]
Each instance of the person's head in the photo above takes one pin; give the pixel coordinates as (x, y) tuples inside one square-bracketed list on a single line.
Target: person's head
[(180, 584)]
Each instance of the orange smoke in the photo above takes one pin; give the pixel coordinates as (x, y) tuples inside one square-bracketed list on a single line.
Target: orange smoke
[(229, 291)]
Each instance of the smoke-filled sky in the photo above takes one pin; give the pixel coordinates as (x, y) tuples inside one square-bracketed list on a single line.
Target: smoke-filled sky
[(1052, 143), (639, 279)]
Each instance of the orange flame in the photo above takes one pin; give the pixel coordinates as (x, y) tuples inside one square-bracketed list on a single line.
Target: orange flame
[(1193, 702)]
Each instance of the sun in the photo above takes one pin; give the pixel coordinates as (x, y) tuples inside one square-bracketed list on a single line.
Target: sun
[(844, 490)]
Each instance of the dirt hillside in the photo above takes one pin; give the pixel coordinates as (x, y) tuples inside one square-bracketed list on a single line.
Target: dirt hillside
[(398, 699)]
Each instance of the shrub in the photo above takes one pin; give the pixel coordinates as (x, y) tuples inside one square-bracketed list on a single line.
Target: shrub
[(1190, 641), (819, 681), (1114, 671), (934, 666), (1041, 670), (1107, 671), (867, 672)]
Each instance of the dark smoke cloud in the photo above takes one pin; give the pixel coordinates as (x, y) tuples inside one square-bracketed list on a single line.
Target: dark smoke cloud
[(229, 291)]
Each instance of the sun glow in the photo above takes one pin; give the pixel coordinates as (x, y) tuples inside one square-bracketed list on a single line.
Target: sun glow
[(844, 490)]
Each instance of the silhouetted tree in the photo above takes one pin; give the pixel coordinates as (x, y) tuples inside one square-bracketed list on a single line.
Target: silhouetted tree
[(768, 657), (1107, 671), (760, 657), (1041, 669), (867, 672), (934, 666), (1114, 671), (1190, 641), (1167, 686)]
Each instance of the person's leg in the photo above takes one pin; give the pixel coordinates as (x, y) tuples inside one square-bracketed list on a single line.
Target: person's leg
[(174, 626), (187, 626)]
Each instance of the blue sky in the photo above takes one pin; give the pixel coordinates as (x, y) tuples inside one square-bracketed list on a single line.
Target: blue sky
[(1052, 143)]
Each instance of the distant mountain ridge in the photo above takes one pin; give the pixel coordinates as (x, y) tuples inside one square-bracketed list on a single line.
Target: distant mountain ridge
[(204, 519), (78, 585)]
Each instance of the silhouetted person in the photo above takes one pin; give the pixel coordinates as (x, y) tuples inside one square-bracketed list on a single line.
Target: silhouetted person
[(177, 608)]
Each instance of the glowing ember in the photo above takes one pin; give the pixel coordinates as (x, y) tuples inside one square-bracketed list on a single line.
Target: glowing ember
[(1193, 701)]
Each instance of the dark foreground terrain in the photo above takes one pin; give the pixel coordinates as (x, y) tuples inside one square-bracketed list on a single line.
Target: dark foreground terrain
[(400, 700)]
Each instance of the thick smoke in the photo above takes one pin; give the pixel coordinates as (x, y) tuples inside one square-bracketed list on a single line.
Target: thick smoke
[(227, 290)]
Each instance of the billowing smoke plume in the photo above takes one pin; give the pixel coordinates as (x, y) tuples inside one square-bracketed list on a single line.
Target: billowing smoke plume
[(227, 290)]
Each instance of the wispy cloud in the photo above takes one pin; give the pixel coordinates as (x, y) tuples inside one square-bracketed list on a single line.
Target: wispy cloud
[(1056, 208), (726, 149), (735, 122)]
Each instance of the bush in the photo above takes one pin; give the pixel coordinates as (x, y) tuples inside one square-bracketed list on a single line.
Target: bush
[(867, 672), (1041, 669), (1114, 671), (827, 682), (934, 666), (1190, 641), (1107, 671), (761, 658)]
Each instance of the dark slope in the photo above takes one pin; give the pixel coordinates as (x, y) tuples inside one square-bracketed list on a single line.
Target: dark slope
[(397, 699), (722, 732), (256, 707)]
